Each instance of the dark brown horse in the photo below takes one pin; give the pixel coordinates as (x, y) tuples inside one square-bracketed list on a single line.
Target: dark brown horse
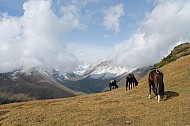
[(155, 80), (113, 84), (131, 81)]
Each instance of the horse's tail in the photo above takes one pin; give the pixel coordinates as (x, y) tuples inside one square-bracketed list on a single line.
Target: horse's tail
[(161, 83)]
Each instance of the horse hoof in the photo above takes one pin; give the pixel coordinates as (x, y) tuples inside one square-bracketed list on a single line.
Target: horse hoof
[(149, 96), (159, 98)]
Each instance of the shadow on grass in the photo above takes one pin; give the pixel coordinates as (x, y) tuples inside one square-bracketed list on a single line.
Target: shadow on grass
[(171, 94)]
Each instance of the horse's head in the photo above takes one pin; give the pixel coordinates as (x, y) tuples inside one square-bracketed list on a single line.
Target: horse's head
[(135, 80), (136, 83)]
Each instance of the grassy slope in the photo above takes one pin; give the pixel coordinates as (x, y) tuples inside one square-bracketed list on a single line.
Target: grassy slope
[(177, 52), (116, 107)]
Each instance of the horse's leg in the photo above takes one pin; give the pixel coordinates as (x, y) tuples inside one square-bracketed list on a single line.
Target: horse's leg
[(161, 86), (133, 84), (158, 93), (150, 84), (129, 85), (126, 83), (156, 83), (149, 90), (158, 98), (110, 87), (126, 86)]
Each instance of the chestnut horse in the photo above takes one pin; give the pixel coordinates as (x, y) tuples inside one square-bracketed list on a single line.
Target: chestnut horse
[(155, 79), (131, 81), (113, 84)]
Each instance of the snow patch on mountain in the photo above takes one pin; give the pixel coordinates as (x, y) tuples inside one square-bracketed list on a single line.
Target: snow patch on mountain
[(104, 70), (84, 69)]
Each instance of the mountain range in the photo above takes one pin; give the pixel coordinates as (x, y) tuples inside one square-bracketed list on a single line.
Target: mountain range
[(37, 83)]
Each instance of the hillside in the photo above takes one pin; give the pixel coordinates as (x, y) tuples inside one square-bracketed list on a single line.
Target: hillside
[(177, 52), (116, 107), (20, 86)]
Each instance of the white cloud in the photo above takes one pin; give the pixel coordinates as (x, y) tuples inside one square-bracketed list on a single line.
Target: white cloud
[(72, 17), (112, 17), (167, 25), (92, 53), (34, 38), (82, 2)]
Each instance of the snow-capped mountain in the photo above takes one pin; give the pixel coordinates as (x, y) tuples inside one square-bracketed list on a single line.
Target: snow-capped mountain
[(104, 70)]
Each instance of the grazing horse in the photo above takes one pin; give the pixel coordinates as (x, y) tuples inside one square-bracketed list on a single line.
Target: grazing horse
[(131, 81), (113, 84), (155, 79)]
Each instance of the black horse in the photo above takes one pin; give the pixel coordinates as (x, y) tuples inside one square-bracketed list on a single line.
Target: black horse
[(113, 84), (155, 80), (131, 81)]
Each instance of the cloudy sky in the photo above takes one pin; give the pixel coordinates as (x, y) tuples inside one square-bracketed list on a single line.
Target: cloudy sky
[(65, 33)]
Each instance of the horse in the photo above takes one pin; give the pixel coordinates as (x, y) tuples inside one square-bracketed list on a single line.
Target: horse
[(131, 81), (155, 80), (113, 84)]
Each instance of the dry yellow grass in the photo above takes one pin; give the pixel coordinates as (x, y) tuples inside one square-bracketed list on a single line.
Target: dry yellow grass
[(115, 108)]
